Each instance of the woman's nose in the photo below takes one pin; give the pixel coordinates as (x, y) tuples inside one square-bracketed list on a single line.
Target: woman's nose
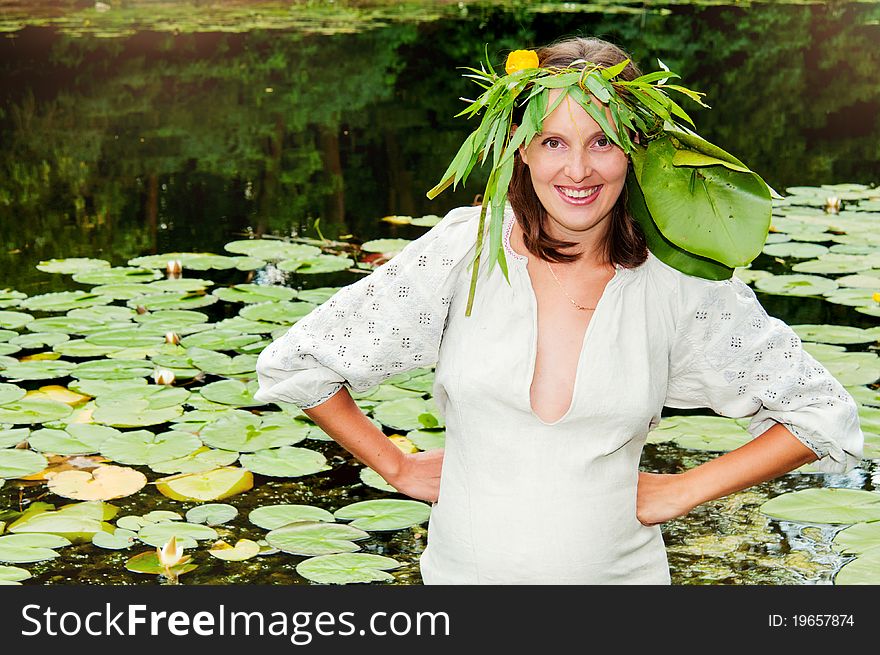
[(578, 166)]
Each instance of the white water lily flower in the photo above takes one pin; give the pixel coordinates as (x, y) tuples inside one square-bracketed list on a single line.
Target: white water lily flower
[(170, 554), (163, 376)]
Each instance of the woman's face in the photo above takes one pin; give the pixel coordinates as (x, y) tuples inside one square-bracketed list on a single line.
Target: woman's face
[(577, 172)]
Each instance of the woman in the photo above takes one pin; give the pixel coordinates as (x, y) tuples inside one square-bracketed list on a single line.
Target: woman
[(551, 384)]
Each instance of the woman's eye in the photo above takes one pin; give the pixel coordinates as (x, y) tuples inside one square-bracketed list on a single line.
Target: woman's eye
[(602, 142), (552, 143)]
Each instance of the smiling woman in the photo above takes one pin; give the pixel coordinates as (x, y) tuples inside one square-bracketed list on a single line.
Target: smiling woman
[(550, 385)]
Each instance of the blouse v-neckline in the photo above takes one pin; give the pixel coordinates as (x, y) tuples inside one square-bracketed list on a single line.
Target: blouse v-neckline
[(522, 269)]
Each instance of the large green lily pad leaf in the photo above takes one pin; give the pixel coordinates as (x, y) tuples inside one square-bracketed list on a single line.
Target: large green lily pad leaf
[(385, 514), (144, 447), (711, 211), (827, 505), (272, 249), (72, 265), (850, 368), (216, 363), (11, 438), (796, 285), (712, 433), (231, 392), (248, 433), (75, 439), (66, 325), (33, 410), (427, 439), (168, 301), (35, 540), (120, 539), (408, 414), (317, 295), (245, 326), (316, 538), (9, 393), (63, 300), (186, 534), (180, 285), (837, 334), (834, 263), (111, 369), (272, 517), (212, 514), (102, 387), (117, 275), (281, 312), (157, 396), (13, 575), (200, 460), (347, 568), (862, 570), (254, 293), (11, 298), (77, 523), (219, 340), (796, 249), (171, 320), (17, 463), (285, 462), (197, 261), (136, 413), (25, 554), (316, 264), (216, 484), (127, 338), (45, 369), (14, 320), (859, 539), (39, 340), (125, 291), (372, 479), (385, 246)]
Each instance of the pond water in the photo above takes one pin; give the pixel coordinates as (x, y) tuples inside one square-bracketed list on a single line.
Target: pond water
[(128, 132)]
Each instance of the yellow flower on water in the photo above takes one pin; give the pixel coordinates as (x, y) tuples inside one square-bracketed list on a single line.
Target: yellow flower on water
[(876, 297), (520, 60)]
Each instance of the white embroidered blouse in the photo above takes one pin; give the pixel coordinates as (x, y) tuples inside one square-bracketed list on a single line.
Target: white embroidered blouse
[(522, 500)]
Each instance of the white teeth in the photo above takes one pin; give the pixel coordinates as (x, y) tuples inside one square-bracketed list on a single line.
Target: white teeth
[(579, 193)]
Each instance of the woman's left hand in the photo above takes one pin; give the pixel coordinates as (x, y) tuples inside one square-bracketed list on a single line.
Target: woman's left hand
[(660, 497)]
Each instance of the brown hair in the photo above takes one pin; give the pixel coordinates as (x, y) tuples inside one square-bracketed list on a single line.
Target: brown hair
[(625, 243)]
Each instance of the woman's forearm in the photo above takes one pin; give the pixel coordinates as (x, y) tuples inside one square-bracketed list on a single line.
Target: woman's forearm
[(775, 452), (343, 420)]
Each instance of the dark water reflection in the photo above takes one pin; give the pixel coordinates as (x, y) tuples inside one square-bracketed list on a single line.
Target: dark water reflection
[(155, 141)]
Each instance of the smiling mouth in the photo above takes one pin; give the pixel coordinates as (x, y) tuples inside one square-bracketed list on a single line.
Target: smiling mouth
[(579, 196)]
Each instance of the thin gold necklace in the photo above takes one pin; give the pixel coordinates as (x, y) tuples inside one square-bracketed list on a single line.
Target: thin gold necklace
[(580, 307)]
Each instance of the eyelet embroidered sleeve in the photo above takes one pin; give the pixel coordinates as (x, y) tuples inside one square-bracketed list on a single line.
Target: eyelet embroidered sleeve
[(731, 356), (386, 323)]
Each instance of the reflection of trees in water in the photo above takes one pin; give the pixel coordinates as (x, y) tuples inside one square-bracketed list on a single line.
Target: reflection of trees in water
[(106, 140)]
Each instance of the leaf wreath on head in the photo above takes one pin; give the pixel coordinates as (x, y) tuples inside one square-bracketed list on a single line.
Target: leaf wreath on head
[(701, 209)]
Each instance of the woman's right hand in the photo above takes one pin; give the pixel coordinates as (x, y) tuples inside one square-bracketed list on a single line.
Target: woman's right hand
[(419, 475)]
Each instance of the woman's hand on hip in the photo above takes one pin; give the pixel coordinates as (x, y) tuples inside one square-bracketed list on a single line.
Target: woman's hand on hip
[(660, 497), (419, 475)]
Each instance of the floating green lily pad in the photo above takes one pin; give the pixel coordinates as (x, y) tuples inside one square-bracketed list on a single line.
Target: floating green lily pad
[(385, 246), (118, 540), (827, 505), (63, 300), (285, 462), (11, 438), (143, 447), (11, 298), (427, 439), (72, 265), (859, 539), (215, 484), (372, 479), (218, 340), (39, 340), (272, 249), (254, 293), (9, 393), (168, 301), (318, 295), (111, 369), (408, 414), (316, 264), (347, 568), (33, 410), (118, 275), (796, 285), (281, 312), (836, 334), (187, 534), (272, 517), (14, 320), (862, 570), (180, 285), (216, 363), (25, 554), (712, 433), (17, 463), (200, 460), (248, 433), (385, 514), (13, 574), (796, 249), (75, 439), (231, 392), (212, 514), (45, 369), (316, 538)]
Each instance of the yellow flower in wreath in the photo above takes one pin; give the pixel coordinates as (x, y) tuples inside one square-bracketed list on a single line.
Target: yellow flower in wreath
[(520, 60)]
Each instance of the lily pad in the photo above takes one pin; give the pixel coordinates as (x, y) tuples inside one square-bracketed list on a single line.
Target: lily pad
[(212, 514), (197, 261), (836, 334), (281, 312), (180, 285), (372, 479), (127, 338), (77, 523), (105, 482), (248, 433), (285, 462), (111, 369), (385, 246), (254, 293), (37, 370), (200, 460), (170, 300), (859, 539), (243, 549), (272, 249), (118, 540), (385, 514), (317, 295), (13, 574), (347, 568), (316, 538), (143, 447), (63, 301), (72, 265), (74, 439), (25, 554), (231, 392), (17, 463), (862, 570), (316, 264), (826, 505), (711, 433), (14, 320), (33, 410), (796, 249), (9, 393), (216, 363), (219, 340), (39, 340), (11, 298), (11, 438), (796, 285), (272, 517), (117, 275), (408, 414), (186, 534), (215, 484), (428, 439)]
